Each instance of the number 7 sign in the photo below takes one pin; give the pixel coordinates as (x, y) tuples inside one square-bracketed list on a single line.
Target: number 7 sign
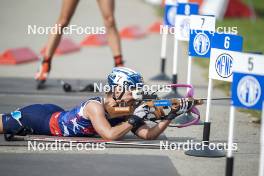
[(202, 29), (202, 22)]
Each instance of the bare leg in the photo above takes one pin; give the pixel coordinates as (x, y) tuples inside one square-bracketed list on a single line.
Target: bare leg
[(67, 11), (107, 9), (1, 125)]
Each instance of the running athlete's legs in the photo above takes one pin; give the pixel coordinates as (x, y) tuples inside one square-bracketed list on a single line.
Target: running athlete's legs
[(107, 8), (67, 11)]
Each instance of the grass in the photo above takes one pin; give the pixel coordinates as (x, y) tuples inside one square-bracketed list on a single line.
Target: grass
[(258, 6)]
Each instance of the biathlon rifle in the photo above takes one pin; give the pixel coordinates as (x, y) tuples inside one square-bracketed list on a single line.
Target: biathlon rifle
[(154, 102)]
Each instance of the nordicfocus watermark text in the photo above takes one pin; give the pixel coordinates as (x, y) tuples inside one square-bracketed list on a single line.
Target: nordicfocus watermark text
[(220, 29), (191, 145), (59, 145), (68, 30), (100, 87)]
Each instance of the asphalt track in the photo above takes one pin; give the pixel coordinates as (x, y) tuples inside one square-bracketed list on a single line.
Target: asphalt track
[(19, 92), (79, 165)]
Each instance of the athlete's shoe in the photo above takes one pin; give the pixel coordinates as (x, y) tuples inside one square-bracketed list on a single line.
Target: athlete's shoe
[(42, 74)]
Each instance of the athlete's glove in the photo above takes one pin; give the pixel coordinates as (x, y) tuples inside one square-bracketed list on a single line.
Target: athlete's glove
[(142, 111), (185, 105), (171, 116), (137, 119)]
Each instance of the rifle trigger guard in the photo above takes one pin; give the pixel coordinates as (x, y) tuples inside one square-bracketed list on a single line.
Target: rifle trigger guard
[(193, 110)]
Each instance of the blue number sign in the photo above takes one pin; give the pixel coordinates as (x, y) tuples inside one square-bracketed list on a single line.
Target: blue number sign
[(248, 81), (182, 24), (228, 42), (202, 29)]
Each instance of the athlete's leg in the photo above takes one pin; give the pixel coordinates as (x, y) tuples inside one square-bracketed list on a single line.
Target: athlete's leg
[(1, 124), (35, 117), (67, 11), (107, 8)]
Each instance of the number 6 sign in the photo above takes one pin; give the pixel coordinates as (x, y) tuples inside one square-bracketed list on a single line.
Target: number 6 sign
[(227, 42), (221, 59)]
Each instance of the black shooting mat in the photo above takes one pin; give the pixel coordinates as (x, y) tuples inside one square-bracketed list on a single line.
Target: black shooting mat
[(85, 164), (128, 141)]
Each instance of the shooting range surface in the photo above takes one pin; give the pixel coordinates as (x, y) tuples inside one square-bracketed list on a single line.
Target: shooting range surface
[(92, 164)]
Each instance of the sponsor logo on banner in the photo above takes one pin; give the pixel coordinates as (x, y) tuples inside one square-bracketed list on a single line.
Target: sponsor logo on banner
[(185, 27), (201, 43), (223, 65), (248, 91)]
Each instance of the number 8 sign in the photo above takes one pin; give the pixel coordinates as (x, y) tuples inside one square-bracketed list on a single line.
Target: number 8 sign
[(182, 21)]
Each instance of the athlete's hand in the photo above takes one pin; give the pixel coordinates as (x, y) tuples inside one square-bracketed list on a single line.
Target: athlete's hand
[(186, 105), (142, 111)]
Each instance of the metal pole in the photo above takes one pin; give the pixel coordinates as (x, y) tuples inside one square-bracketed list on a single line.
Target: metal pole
[(189, 75), (230, 158), (175, 62), (164, 35), (208, 103), (164, 48), (261, 160)]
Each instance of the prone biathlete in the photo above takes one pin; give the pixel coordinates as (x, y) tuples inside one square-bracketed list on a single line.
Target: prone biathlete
[(91, 117), (68, 8)]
